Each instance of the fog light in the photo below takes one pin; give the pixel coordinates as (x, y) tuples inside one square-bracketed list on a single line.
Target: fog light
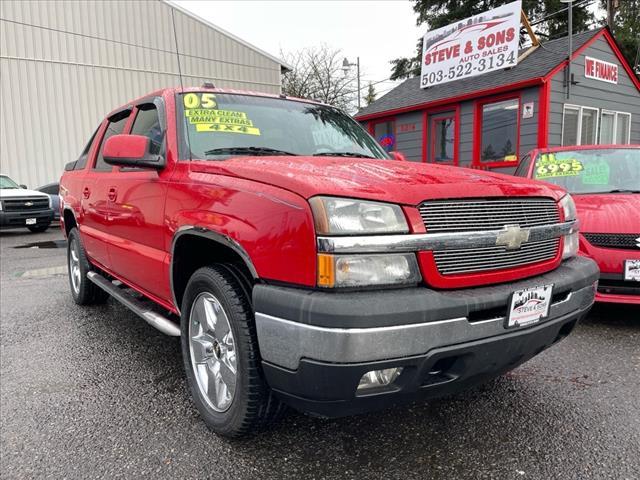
[(379, 378)]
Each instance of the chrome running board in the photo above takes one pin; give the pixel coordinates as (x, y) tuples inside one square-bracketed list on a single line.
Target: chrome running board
[(152, 318)]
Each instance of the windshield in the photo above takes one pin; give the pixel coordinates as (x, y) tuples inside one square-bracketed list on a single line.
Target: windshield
[(591, 171), (224, 125), (6, 182)]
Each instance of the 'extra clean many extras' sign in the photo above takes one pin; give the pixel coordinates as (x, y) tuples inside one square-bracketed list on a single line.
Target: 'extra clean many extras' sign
[(479, 44), (600, 70)]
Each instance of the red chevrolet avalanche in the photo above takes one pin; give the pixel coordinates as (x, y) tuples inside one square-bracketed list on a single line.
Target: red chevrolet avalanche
[(604, 181), (301, 264)]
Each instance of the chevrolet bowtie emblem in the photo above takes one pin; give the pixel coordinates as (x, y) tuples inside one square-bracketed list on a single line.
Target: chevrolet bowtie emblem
[(28, 204), (512, 237), (638, 242)]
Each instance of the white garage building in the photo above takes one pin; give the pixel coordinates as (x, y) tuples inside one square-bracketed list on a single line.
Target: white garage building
[(65, 64)]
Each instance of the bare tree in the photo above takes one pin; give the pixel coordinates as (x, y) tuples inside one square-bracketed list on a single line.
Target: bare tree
[(317, 74)]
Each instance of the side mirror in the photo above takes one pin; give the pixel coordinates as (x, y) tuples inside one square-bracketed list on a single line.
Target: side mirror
[(22, 185), (131, 151), (398, 156)]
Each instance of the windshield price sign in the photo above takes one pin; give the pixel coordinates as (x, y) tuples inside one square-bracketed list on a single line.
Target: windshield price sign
[(476, 45)]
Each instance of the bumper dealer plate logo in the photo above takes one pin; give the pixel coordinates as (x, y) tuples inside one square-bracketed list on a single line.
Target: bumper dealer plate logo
[(512, 237)]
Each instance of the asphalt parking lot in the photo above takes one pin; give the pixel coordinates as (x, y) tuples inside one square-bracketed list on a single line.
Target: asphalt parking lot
[(95, 392)]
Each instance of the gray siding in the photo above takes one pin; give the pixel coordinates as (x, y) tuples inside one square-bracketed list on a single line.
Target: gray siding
[(623, 97), (466, 134), (57, 82), (410, 142)]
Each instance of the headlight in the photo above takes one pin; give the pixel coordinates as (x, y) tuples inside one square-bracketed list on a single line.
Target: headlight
[(572, 239), (0, 206), (367, 270), (568, 207), (50, 201), (343, 216)]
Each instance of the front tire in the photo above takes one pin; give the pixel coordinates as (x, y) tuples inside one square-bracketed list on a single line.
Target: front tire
[(221, 355), (83, 290)]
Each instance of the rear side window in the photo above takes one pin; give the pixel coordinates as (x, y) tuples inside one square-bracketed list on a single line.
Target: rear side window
[(147, 123), (84, 156), (115, 127)]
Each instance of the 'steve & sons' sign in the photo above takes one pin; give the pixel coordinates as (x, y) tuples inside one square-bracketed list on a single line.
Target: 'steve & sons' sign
[(600, 70), (473, 46)]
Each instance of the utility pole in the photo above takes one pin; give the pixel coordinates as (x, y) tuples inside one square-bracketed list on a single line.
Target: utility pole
[(570, 2), (612, 6)]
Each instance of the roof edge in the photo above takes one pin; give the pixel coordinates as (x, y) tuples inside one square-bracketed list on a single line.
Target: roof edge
[(283, 65)]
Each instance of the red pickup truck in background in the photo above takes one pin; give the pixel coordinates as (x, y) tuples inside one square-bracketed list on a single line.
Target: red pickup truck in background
[(300, 264)]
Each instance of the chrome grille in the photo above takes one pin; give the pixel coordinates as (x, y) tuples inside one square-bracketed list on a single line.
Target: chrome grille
[(25, 204), (487, 214), (468, 260), (490, 214)]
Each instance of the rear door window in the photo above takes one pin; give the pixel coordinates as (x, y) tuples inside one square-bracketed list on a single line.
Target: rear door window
[(84, 156), (115, 127)]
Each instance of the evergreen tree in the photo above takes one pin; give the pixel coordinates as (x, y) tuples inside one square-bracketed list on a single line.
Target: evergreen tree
[(626, 29), (370, 97), (438, 13)]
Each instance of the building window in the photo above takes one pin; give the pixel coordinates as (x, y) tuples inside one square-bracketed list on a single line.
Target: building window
[(443, 139), (615, 127), (607, 127), (579, 125), (570, 125), (385, 134), (623, 128), (588, 126), (500, 131)]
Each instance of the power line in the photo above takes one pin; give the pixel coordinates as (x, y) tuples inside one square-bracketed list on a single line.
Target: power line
[(128, 44), (583, 3)]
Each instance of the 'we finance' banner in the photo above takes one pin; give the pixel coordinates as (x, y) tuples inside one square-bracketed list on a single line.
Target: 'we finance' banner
[(479, 44)]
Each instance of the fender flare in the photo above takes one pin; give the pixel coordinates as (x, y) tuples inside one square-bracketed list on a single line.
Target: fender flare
[(214, 236)]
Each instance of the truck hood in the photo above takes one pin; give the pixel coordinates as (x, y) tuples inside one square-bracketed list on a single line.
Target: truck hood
[(608, 213), (394, 181), (20, 193)]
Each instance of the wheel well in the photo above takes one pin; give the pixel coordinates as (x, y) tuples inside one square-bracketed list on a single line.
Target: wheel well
[(69, 221), (192, 251)]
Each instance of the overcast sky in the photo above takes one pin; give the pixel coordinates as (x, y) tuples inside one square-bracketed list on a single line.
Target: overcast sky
[(376, 31)]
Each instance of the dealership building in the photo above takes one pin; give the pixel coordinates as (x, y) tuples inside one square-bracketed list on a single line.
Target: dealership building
[(66, 64), (491, 121)]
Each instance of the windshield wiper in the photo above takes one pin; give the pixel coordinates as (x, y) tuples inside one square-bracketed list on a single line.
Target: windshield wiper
[(343, 154), (622, 190), (247, 151)]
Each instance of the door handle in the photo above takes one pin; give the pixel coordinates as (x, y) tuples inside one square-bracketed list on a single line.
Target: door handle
[(86, 192), (113, 194)]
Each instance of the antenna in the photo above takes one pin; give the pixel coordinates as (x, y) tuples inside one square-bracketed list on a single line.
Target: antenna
[(175, 36)]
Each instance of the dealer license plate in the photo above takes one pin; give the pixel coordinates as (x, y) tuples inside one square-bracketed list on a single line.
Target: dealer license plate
[(632, 270), (529, 306), (31, 221)]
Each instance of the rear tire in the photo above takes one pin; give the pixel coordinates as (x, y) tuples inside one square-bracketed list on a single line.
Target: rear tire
[(221, 355), (83, 290), (39, 228)]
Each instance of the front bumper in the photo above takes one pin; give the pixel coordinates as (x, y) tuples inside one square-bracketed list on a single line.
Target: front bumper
[(18, 219), (316, 346), (613, 288)]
